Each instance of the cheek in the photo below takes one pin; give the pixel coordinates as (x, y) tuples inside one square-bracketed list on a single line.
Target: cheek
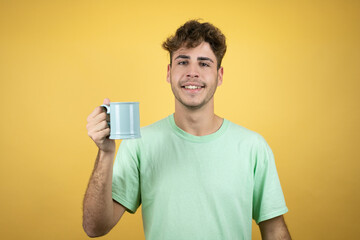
[(176, 74), (210, 75)]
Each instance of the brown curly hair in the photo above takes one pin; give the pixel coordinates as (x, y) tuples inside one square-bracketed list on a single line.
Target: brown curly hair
[(192, 34)]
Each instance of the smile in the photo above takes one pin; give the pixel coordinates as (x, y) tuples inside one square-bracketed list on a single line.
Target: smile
[(192, 87)]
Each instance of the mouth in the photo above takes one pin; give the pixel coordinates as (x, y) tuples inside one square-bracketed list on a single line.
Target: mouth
[(192, 87)]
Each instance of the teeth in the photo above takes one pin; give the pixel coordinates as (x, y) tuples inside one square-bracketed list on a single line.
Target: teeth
[(192, 87)]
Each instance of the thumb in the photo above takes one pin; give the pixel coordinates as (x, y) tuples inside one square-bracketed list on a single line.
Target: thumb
[(106, 101)]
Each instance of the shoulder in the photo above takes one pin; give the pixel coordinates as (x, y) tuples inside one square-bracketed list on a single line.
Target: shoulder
[(155, 132), (156, 127), (150, 133), (244, 134)]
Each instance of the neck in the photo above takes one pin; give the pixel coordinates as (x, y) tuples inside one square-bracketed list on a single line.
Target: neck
[(198, 122)]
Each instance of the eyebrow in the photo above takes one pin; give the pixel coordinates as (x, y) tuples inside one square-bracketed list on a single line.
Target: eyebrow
[(182, 56), (205, 59), (199, 58)]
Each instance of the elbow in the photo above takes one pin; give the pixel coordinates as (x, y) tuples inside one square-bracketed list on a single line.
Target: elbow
[(93, 231)]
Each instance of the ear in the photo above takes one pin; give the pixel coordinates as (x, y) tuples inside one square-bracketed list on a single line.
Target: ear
[(168, 73), (220, 75)]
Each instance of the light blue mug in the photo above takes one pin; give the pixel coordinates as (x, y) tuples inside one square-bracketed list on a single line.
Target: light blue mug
[(124, 120)]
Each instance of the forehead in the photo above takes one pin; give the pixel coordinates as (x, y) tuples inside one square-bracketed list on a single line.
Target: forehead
[(202, 50)]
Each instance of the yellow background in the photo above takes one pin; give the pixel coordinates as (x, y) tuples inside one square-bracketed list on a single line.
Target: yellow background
[(291, 73)]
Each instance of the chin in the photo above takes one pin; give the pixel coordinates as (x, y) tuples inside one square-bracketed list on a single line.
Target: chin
[(193, 105)]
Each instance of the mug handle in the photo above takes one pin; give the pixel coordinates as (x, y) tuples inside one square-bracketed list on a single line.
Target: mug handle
[(107, 110), (106, 107)]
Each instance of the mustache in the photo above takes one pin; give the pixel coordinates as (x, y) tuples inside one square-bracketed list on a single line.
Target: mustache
[(192, 81)]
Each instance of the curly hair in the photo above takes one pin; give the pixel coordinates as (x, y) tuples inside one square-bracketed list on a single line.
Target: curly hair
[(192, 34)]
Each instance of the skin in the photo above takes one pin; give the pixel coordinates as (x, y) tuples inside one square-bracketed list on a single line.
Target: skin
[(194, 113), (100, 211), (274, 229)]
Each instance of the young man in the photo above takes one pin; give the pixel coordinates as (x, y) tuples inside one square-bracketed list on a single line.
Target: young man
[(197, 175)]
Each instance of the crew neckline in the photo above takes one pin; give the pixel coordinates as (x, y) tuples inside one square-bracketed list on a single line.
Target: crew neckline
[(190, 137)]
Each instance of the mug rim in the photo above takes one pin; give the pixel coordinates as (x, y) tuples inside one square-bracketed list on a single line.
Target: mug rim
[(122, 102)]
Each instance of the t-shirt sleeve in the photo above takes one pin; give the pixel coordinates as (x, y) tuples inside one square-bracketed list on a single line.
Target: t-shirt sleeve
[(126, 179), (268, 198)]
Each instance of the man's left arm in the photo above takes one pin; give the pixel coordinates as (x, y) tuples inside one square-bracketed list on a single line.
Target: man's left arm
[(274, 229)]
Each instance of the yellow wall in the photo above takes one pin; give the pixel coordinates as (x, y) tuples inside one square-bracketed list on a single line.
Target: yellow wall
[(292, 73)]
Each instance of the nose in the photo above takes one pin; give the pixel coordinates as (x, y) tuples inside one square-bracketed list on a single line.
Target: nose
[(193, 71)]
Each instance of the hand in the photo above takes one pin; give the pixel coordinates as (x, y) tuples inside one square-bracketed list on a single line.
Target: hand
[(98, 129)]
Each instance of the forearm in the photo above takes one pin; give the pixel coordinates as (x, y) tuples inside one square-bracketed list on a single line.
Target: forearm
[(280, 234), (98, 203), (274, 229)]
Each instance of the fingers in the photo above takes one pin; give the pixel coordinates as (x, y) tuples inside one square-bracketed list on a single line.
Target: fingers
[(106, 101), (98, 122), (99, 133), (96, 112), (99, 118), (98, 126), (99, 109)]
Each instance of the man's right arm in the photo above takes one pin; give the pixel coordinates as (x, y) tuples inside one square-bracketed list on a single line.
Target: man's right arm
[(100, 211)]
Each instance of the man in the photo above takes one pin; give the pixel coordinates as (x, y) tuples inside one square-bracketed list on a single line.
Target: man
[(197, 175)]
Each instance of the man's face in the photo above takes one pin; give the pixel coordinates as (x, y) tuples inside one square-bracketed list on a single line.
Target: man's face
[(194, 76)]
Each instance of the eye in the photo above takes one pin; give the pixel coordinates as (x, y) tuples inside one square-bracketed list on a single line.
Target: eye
[(203, 64), (182, 63)]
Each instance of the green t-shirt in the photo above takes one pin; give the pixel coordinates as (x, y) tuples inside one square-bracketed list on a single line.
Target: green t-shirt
[(198, 187)]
